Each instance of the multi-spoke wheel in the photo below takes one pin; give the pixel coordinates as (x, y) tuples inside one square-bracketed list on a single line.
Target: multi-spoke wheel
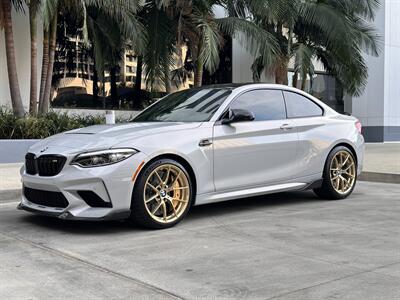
[(340, 174), (162, 195)]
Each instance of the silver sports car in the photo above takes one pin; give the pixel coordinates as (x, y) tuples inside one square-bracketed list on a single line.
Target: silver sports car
[(194, 147)]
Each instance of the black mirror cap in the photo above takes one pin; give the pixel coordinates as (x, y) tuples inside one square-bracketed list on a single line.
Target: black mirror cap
[(237, 115)]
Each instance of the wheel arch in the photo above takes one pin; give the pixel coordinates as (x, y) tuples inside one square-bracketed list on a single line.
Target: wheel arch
[(343, 144), (180, 160), (347, 145)]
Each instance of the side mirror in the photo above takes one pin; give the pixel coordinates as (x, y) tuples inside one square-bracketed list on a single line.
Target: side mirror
[(237, 115)]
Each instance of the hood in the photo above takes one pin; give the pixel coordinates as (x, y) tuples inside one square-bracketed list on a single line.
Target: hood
[(104, 136)]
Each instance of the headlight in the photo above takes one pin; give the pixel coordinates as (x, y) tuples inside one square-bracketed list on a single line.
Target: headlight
[(102, 158)]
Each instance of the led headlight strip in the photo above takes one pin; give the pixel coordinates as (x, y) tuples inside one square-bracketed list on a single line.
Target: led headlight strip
[(102, 157)]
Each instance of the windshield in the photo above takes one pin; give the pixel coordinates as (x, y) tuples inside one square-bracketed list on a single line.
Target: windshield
[(194, 105)]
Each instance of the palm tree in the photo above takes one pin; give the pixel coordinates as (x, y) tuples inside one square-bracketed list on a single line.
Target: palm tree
[(49, 73), (49, 10), (33, 99), (6, 23), (194, 24), (334, 32)]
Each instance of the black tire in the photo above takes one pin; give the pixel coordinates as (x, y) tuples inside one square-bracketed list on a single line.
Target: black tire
[(327, 190), (139, 214)]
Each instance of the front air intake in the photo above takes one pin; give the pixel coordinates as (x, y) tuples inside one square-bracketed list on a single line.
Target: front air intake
[(46, 198), (93, 200)]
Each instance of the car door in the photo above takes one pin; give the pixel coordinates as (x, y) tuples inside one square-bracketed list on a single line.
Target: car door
[(258, 152), (307, 117)]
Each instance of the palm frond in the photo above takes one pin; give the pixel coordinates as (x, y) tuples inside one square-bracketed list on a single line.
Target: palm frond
[(158, 57), (253, 38), (303, 64), (48, 9), (366, 36), (211, 39)]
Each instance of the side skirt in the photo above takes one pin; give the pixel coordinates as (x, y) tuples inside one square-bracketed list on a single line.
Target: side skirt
[(230, 195), (315, 185)]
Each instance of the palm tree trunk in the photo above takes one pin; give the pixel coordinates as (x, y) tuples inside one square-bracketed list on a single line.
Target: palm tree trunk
[(138, 83), (16, 99), (114, 90), (281, 72), (167, 80), (45, 67), (303, 82), (33, 30), (295, 79), (95, 85), (198, 75), (199, 69), (52, 50)]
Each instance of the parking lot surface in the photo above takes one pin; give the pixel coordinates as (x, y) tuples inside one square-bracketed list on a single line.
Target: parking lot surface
[(285, 246)]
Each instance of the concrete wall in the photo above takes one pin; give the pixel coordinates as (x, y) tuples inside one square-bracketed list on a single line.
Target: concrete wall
[(22, 52), (369, 107), (119, 114), (13, 151), (379, 106), (392, 69)]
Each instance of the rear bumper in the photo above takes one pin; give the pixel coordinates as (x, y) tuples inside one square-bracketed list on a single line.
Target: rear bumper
[(360, 151)]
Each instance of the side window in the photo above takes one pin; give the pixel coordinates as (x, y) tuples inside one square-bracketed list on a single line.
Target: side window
[(299, 106), (264, 104)]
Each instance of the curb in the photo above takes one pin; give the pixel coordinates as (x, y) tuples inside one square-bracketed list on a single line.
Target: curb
[(380, 177)]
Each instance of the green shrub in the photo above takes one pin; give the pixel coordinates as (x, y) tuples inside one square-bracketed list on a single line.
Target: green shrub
[(42, 126)]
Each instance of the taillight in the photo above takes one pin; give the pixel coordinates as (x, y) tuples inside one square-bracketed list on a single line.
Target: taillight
[(359, 126)]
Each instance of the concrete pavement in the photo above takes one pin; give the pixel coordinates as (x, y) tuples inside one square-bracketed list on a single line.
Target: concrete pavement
[(285, 246)]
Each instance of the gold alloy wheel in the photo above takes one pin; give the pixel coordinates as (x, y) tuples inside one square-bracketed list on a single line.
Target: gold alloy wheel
[(166, 193), (343, 172)]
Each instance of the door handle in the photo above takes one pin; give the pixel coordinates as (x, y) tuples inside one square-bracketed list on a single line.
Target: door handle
[(286, 127), (205, 143)]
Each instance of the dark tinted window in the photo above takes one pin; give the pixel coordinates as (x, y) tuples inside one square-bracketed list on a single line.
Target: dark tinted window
[(299, 106), (264, 104), (195, 105)]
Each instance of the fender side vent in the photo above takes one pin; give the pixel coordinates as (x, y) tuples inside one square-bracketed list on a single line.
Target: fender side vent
[(93, 200)]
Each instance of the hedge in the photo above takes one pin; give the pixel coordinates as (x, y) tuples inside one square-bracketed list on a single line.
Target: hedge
[(43, 126)]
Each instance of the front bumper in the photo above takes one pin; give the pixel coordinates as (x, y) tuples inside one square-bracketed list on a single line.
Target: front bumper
[(113, 184)]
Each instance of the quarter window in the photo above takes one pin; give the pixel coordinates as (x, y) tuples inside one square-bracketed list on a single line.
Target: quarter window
[(299, 106), (264, 104)]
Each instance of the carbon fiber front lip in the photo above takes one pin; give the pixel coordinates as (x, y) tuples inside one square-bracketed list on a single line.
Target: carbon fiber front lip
[(118, 215)]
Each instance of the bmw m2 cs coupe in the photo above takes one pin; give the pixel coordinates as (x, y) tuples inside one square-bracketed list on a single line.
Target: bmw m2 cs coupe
[(194, 147)]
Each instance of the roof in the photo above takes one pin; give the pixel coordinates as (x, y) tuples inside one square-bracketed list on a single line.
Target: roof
[(232, 86)]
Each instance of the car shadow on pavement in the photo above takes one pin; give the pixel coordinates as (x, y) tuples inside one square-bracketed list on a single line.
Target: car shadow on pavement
[(281, 200), (284, 200)]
